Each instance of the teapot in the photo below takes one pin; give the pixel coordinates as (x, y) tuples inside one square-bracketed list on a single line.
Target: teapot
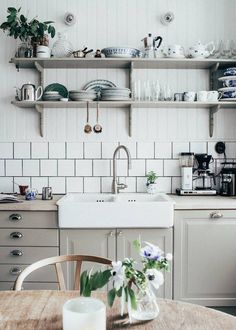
[(200, 50), (28, 92)]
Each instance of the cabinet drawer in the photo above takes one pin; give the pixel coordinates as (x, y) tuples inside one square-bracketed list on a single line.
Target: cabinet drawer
[(28, 219), (7, 286), (26, 255), (9, 273), (29, 237)]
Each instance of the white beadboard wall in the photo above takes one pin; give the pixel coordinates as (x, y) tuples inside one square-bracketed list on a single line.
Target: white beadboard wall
[(102, 23)]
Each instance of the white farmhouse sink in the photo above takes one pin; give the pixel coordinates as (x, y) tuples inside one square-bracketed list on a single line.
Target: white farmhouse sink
[(77, 210)]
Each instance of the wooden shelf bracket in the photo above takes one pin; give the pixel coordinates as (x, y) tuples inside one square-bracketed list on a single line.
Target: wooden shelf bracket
[(40, 110), (40, 69), (212, 112)]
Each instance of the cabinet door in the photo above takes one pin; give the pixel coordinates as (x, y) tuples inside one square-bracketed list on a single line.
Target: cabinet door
[(159, 237), (97, 242), (205, 257)]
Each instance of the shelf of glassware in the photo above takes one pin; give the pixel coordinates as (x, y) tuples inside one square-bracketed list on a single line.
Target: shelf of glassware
[(122, 63)]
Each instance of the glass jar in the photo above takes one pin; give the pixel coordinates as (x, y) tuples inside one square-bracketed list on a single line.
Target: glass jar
[(62, 47), (147, 307)]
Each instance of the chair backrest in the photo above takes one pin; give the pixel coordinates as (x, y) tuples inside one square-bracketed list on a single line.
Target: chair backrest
[(56, 261)]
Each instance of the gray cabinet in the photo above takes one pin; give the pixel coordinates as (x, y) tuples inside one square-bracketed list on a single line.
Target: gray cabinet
[(26, 237), (205, 257), (115, 244)]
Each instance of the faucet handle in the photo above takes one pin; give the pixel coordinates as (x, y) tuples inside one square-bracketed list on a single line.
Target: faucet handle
[(121, 186)]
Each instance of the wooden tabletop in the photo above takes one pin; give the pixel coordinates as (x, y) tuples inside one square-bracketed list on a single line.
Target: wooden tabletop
[(30, 310)]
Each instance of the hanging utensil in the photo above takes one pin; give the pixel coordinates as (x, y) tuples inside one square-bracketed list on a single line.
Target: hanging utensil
[(87, 127), (97, 128)]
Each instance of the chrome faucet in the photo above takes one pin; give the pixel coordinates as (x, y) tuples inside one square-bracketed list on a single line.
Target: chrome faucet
[(115, 185)]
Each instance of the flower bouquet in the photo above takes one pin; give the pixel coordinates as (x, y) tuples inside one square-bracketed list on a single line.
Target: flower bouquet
[(136, 287)]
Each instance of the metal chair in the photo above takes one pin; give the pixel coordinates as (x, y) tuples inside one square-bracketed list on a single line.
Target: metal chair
[(56, 261)]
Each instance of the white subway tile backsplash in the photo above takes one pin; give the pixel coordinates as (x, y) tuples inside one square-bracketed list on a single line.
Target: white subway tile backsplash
[(56, 150), (39, 150), (156, 166), (21, 150), (92, 150), (84, 167), (6, 150), (101, 168), (132, 146), (145, 150), (74, 150), (198, 147), (211, 150), (2, 168), (6, 185), (230, 149), (39, 182), (162, 149), (164, 185), (179, 147), (30, 167), (130, 182), (106, 185), (74, 185), (66, 167), (141, 185), (121, 166), (58, 185), (171, 167), (13, 167), (49, 167), (92, 185), (137, 167), (108, 149)]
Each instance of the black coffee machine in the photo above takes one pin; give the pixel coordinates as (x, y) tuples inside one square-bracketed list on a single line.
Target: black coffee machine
[(205, 178), (228, 179)]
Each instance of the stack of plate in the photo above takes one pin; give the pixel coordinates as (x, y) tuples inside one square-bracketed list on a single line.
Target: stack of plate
[(228, 92), (82, 95), (115, 94), (51, 96)]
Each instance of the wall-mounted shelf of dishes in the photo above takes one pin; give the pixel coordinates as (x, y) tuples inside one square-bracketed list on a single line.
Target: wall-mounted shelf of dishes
[(40, 64)]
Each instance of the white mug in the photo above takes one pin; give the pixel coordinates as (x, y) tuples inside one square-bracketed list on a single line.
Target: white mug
[(202, 96), (213, 96), (84, 313), (189, 96), (43, 52), (173, 51)]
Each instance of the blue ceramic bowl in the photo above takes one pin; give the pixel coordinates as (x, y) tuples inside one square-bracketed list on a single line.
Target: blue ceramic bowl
[(229, 83), (229, 94), (230, 72), (121, 52)]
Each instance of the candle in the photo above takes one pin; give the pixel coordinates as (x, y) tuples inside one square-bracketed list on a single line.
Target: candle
[(84, 314)]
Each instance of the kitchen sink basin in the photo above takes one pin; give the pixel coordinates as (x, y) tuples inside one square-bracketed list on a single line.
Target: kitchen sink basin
[(123, 210)]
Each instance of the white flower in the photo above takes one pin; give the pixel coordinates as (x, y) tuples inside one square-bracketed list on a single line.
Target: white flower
[(155, 278), (151, 252), (169, 257), (117, 273)]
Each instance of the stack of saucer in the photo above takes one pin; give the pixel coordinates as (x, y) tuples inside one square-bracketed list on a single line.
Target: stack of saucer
[(51, 96), (82, 95), (228, 91), (115, 94)]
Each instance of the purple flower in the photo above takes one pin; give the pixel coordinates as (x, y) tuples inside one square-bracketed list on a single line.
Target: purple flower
[(151, 252)]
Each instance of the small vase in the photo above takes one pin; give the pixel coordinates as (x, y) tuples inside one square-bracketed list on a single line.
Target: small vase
[(62, 47), (147, 307), (152, 188)]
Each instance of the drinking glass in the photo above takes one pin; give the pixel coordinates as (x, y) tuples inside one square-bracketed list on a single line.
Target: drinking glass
[(226, 51), (155, 90), (166, 94), (233, 48)]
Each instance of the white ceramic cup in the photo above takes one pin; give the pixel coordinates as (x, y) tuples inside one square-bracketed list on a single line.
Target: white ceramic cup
[(84, 313), (43, 52), (173, 51), (202, 96), (189, 96), (213, 96)]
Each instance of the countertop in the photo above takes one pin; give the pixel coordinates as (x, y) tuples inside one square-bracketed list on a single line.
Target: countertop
[(181, 203)]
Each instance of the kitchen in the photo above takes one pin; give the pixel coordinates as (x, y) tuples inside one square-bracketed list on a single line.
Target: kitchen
[(69, 145)]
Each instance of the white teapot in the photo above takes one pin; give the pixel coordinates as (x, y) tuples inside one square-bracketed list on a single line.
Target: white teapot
[(201, 51)]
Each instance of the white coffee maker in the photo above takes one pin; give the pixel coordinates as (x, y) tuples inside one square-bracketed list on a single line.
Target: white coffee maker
[(186, 164)]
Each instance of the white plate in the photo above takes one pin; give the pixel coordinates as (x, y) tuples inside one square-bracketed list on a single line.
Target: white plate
[(175, 56), (227, 78), (227, 89), (228, 99), (116, 98)]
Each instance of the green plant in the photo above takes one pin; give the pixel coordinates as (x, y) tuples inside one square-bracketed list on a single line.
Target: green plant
[(151, 177), (18, 26)]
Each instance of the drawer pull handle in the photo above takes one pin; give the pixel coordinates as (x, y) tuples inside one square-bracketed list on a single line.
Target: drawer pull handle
[(111, 234), (15, 217), (15, 271), (16, 235), (216, 215), (16, 253), (120, 234)]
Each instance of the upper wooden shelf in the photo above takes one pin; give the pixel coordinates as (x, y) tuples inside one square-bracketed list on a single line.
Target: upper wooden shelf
[(136, 63)]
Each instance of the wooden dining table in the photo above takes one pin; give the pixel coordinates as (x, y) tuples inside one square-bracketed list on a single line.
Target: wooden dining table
[(42, 310)]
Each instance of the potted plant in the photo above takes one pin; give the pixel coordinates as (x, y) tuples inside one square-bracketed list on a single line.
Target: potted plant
[(29, 32), (151, 182)]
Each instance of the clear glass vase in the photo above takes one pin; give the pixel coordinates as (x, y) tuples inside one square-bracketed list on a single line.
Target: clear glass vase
[(147, 307), (62, 47)]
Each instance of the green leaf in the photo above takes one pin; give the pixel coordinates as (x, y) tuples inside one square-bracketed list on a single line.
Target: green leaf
[(111, 296), (137, 244), (132, 298), (83, 281), (12, 10), (23, 18), (119, 292), (99, 279)]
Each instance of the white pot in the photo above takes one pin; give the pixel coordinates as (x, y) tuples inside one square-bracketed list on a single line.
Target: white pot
[(152, 188), (43, 52)]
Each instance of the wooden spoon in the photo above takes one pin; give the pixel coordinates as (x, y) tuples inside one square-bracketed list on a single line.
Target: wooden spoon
[(97, 128), (87, 127)]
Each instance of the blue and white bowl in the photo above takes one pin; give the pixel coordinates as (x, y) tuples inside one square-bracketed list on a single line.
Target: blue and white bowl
[(121, 52), (230, 72), (228, 92), (229, 83)]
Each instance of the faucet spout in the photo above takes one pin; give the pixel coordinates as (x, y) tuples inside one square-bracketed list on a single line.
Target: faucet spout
[(115, 185)]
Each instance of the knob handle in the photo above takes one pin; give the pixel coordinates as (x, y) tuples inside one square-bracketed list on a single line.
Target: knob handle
[(15, 271), (15, 217), (216, 215), (16, 235), (16, 253), (111, 234), (120, 234)]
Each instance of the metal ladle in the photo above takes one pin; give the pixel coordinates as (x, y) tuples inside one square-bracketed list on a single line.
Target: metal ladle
[(87, 127), (97, 128)]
